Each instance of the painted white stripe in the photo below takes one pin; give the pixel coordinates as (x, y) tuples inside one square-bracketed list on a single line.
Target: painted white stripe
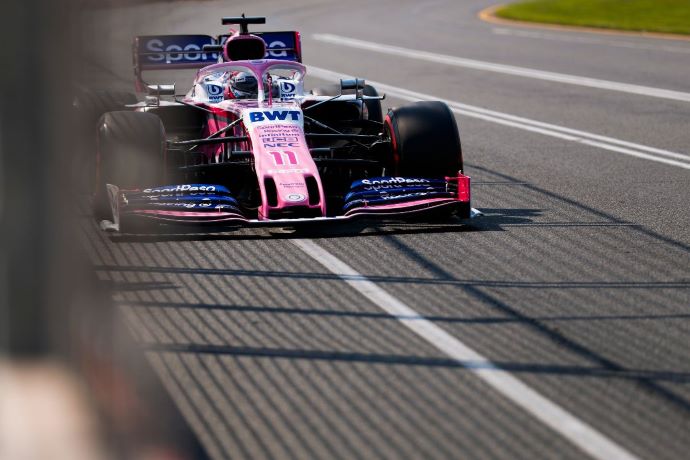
[(555, 417), (502, 68), (563, 37), (668, 157)]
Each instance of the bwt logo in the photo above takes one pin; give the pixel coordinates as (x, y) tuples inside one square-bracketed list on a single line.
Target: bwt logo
[(287, 87), (214, 90), (274, 115), (287, 90)]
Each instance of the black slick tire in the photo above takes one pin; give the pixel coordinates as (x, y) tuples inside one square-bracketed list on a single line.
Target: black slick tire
[(425, 140)]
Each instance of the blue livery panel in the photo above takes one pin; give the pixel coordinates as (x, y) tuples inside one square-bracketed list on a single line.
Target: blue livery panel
[(183, 197), (180, 51), (156, 52), (281, 45), (389, 190)]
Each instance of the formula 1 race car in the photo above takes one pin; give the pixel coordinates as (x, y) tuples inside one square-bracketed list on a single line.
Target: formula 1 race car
[(248, 146)]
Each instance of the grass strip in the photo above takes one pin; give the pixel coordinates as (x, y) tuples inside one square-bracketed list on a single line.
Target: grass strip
[(666, 16)]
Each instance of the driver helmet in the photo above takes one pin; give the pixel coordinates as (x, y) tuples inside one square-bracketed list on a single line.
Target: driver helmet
[(243, 85)]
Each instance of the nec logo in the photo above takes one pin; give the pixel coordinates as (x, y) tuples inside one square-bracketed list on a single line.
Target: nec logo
[(274, 115)]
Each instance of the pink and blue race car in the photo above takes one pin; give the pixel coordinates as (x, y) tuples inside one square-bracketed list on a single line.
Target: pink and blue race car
[(247, 145)]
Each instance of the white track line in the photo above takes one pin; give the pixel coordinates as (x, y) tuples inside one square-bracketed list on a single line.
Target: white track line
[(587, 40), (502, 68), (558, 419), (668, 157)]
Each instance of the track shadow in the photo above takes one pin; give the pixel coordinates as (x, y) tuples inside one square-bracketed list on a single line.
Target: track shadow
[(263, 274), (486, 297), (387, 317), (128, 286), (411, 360), (610, 219), (491, 221)]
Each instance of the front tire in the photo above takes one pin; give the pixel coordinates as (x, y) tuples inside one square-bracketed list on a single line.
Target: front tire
[(425, 140)]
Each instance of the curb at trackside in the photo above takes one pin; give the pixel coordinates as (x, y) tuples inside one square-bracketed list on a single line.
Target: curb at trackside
[(488, 15)]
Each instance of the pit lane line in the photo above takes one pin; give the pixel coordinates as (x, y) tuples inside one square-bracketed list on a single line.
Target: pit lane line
[(502, 68), (579, 433), (667, 157)]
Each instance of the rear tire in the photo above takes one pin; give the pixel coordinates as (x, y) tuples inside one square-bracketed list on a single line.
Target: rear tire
[(425, 140), (131, 155)]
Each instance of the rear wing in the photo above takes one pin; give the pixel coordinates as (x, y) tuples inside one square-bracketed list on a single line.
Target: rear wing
[(163, 52), (286, 46)]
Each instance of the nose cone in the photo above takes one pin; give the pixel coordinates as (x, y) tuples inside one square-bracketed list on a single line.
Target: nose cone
[(288, 178), (292, 192)]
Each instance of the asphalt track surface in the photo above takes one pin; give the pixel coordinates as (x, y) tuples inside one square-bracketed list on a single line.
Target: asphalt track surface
[(576, 282)]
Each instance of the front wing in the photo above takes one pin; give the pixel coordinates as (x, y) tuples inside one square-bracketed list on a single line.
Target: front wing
[(213, 205)]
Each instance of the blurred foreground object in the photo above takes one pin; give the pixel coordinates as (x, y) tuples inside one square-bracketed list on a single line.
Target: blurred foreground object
[(71, 386), (44, 415)]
